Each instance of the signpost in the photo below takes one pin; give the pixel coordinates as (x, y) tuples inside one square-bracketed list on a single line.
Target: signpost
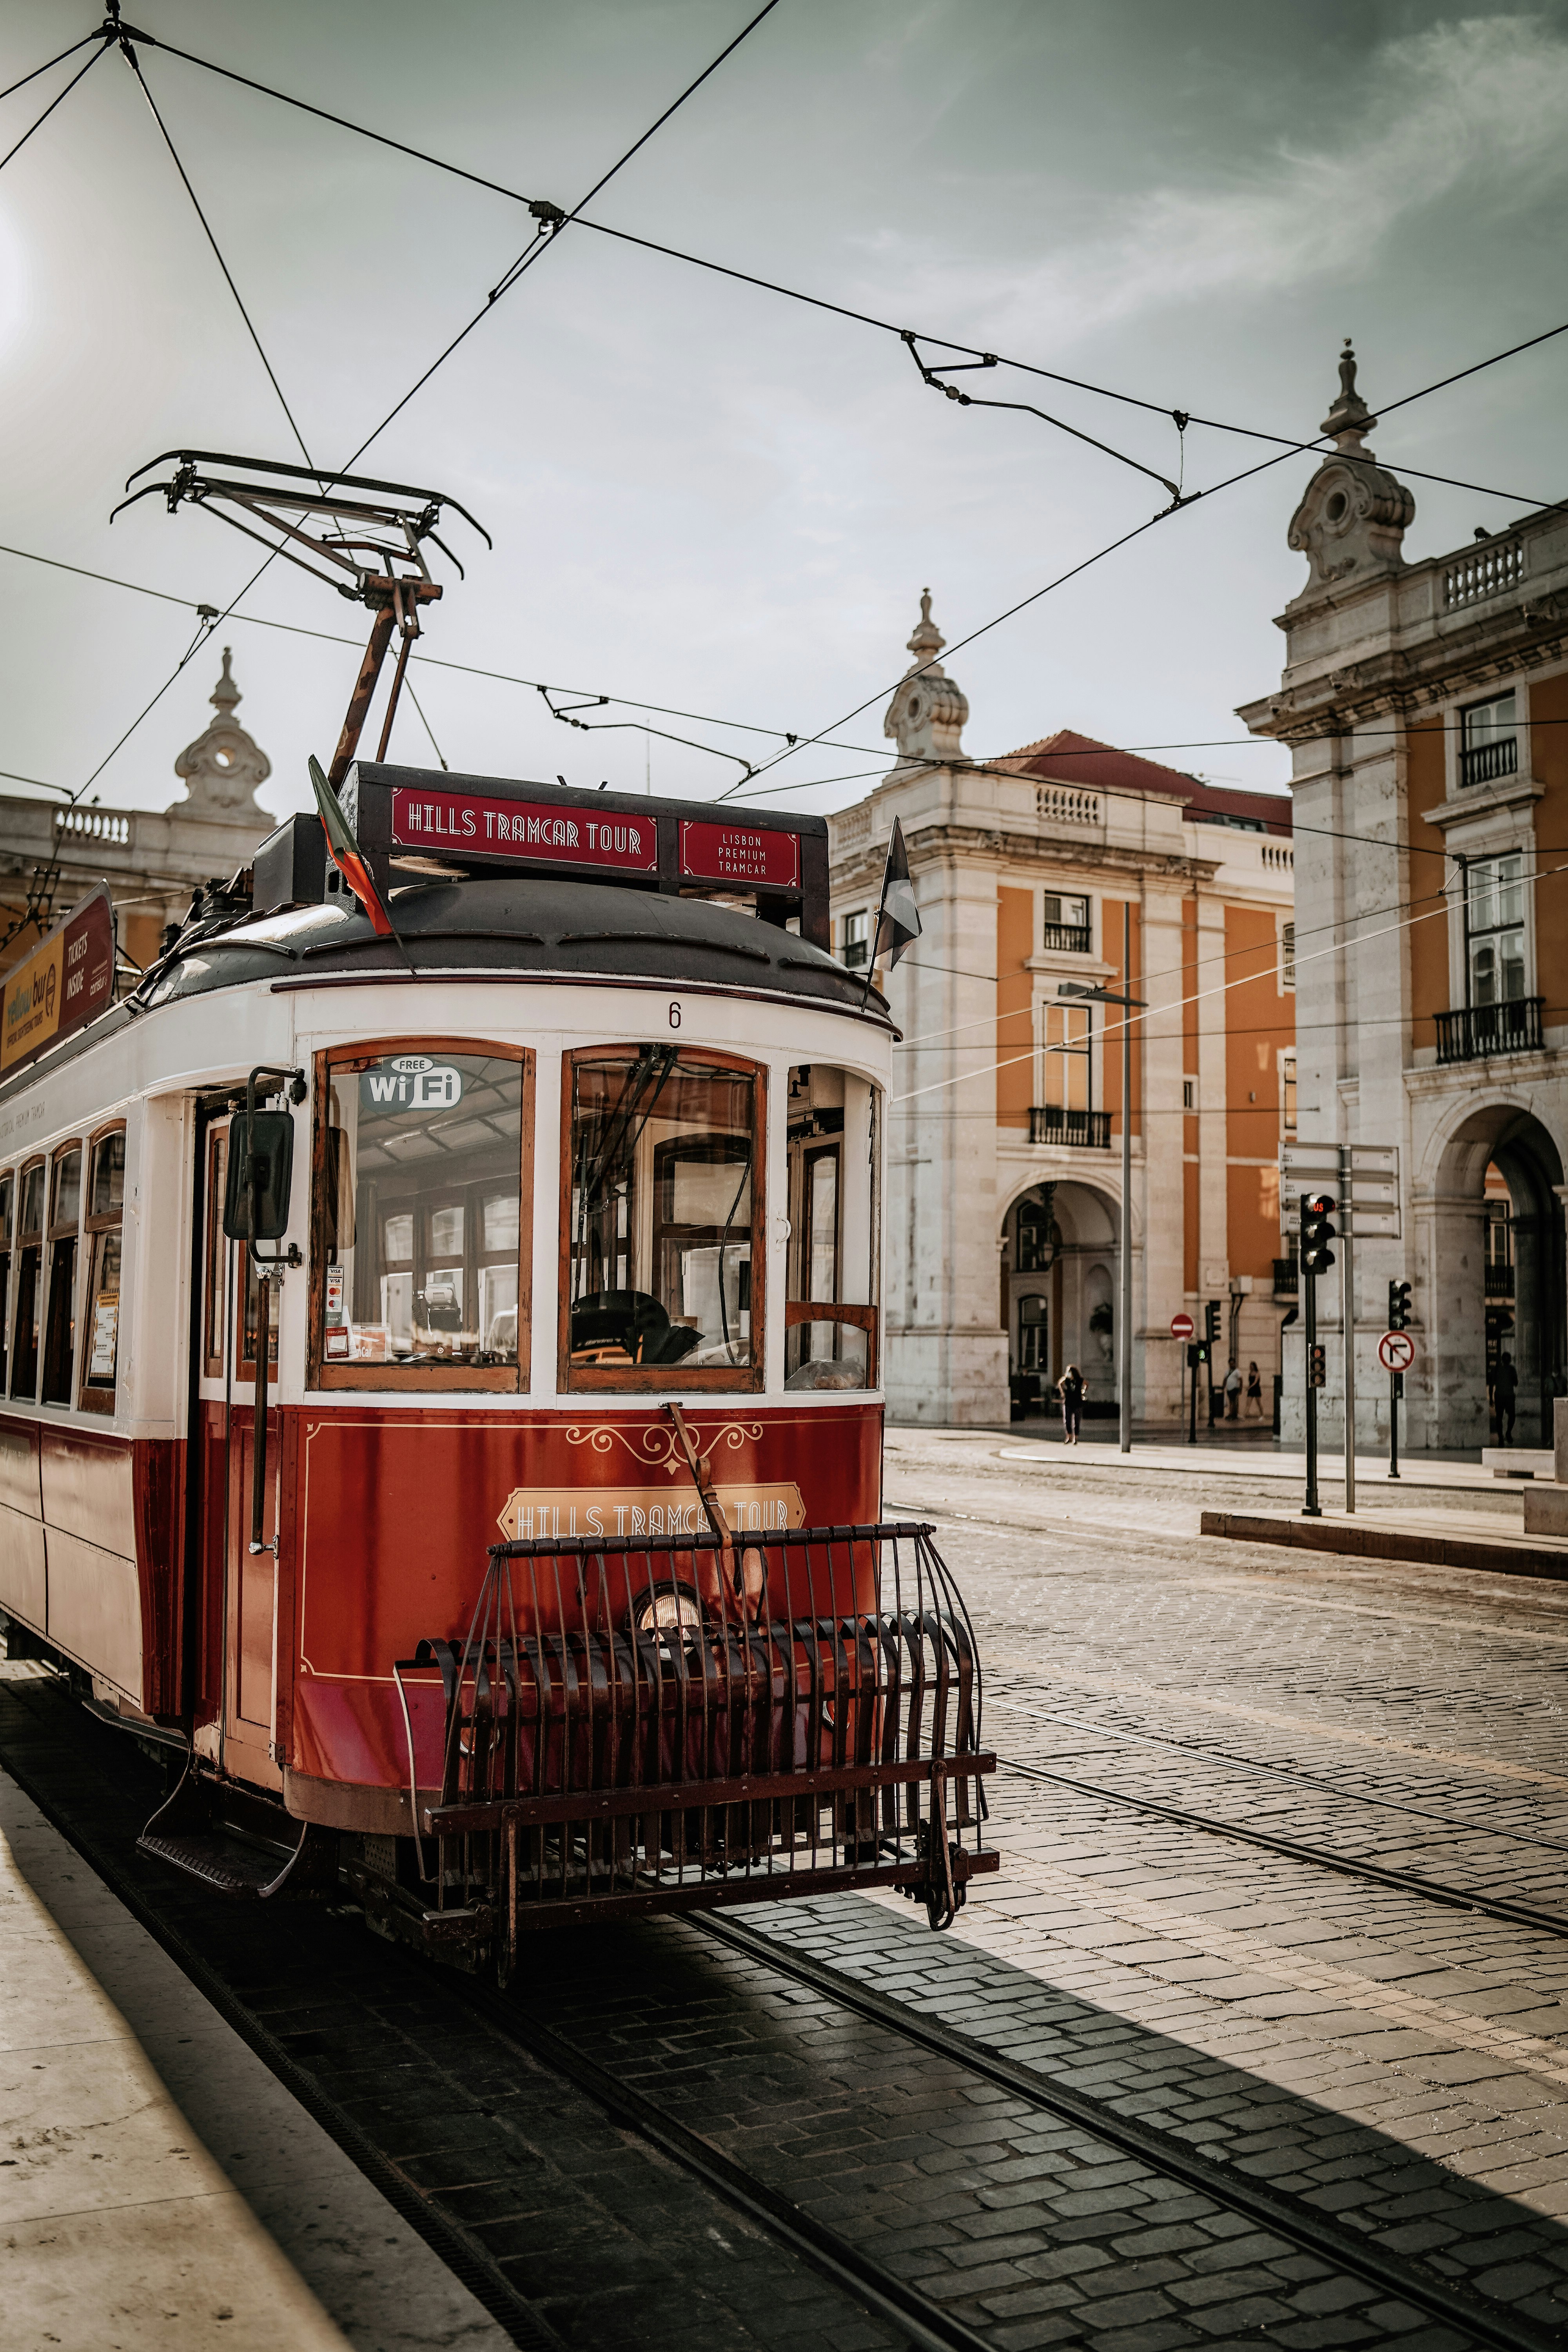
[(1364, 1179), (1182, 1326)]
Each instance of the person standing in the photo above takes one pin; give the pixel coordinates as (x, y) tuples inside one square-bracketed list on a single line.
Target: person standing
[(1233, 1392), (1070, 1389), (1254, 1393), (1505, 1392)]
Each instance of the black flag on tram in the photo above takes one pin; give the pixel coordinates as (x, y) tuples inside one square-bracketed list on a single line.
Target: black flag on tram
[(898, 917)]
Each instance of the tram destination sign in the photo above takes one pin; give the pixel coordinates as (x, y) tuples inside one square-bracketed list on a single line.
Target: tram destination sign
[(750, 857), (470, 825), (68, 978)]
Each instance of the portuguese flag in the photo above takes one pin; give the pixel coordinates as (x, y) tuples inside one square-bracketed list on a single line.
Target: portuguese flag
[(346, 852)]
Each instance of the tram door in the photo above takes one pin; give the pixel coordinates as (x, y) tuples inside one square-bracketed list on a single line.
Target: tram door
[(238, 1591)]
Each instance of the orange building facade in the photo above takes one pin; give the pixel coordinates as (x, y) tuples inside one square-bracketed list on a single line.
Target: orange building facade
[(1427, 708), (1003, 1146)]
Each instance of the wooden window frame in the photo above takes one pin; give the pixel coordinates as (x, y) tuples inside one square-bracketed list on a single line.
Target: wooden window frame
[(644, 1380), (215, 1285), (7, 1222), (91, 1399), (422, 1379), (55, 1233), (35, 1237)]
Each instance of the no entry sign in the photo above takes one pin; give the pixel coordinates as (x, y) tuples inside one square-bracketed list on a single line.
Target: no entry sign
[(1181, 1327), (1396, 1352)]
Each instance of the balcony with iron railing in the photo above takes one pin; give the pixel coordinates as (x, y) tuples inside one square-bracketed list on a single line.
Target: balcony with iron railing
[(1499, 1282), (1484, 763), (1067, 938), (1287, 1277), (1079, 1129), (1475, 1030)]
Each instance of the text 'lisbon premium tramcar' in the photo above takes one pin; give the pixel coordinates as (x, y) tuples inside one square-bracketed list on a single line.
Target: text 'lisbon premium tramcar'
[(440, 1384)]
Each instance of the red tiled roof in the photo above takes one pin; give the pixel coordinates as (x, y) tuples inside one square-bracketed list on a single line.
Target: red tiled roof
[(1069, 759)]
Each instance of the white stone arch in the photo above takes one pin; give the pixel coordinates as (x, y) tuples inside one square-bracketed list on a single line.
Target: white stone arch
[(1091, 1247), (1450, 1304)]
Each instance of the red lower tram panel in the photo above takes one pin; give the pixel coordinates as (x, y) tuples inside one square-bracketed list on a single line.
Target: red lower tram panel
[(622, 1711)]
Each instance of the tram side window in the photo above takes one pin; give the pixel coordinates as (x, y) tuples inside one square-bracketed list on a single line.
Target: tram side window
[(7, 1199), (65, 1225), (420, 1217), (104, 1219), (29, 1282), (659, 1207), (834, 1247)]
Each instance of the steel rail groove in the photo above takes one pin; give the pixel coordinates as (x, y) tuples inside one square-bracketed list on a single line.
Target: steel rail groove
[(1274, 2210), (1223, 1758), (1457, 1898), (918, 2317)]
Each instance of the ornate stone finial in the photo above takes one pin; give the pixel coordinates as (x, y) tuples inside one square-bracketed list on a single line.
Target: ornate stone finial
[(225, 694), (225, 767), (1355, 513), (926, 716)]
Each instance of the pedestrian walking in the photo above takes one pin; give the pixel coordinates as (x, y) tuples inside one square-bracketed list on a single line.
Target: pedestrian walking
[(1070, 1389), (1232, 1392), (1254, 1393), (1505, 1392)]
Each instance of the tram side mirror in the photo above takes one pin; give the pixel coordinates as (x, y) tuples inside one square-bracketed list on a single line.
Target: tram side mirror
[(268, 1136)]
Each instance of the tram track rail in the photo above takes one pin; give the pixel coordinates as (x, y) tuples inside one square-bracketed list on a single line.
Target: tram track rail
[(1403, 1882), (1286, 2216), (1222, 1759), (918, 2319)]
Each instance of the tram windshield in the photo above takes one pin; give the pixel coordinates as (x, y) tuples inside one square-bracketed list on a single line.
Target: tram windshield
[(419, 1210), (660, 1214)]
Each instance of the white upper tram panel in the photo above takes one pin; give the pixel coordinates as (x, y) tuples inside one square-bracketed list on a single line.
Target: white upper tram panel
[(586, 1125)]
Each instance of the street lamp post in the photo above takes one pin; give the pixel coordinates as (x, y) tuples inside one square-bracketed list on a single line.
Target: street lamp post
[(1130, 1005)]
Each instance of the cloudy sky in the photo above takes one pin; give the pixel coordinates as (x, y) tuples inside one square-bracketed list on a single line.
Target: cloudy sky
[(704, 495)]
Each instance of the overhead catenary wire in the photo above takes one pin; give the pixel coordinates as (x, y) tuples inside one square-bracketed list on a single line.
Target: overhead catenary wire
[(59, 99), (131, 60), (23, 79), (551, 221), (1199, 996), (1181, 418)]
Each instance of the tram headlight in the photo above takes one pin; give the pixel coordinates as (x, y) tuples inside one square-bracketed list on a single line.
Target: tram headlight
[(665, 1611)]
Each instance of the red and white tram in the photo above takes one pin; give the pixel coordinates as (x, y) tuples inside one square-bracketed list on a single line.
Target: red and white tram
[(546, 1576)]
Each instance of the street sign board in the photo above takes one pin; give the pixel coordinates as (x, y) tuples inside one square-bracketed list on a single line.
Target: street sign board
[(1364, 1178), (1181, 1327), (1396, 1352)]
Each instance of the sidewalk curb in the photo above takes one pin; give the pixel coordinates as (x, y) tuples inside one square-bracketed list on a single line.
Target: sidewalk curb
[(1388, 1543)]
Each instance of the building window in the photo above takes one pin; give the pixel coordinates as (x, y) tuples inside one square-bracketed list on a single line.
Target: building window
[(856, 938), (1494, 929), (1189, 1093), (1066, 924), (1287, 956), (1288, 1093), (1031, 1329), (1489, 740)]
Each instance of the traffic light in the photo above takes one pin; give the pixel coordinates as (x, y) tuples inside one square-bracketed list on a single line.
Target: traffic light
[(1317, 1368), (1318, 1231), (1399, 1305), (1211, 1322), (1197, 1353)]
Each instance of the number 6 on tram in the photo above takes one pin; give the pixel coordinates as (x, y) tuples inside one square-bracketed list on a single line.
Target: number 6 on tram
[(441, 1388)]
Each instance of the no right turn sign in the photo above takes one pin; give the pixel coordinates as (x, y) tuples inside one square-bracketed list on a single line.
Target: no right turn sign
[(1396, 1352)]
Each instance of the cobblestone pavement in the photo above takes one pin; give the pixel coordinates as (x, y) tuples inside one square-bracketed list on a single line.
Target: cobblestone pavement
[(1400, 2066)]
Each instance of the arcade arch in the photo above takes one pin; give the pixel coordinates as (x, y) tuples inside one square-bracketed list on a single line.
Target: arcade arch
[(1059, 1243), (1486, 1297)]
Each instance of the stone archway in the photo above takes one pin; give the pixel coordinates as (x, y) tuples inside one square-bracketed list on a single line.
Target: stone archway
[(1514, 1141), (1059, 1243)]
